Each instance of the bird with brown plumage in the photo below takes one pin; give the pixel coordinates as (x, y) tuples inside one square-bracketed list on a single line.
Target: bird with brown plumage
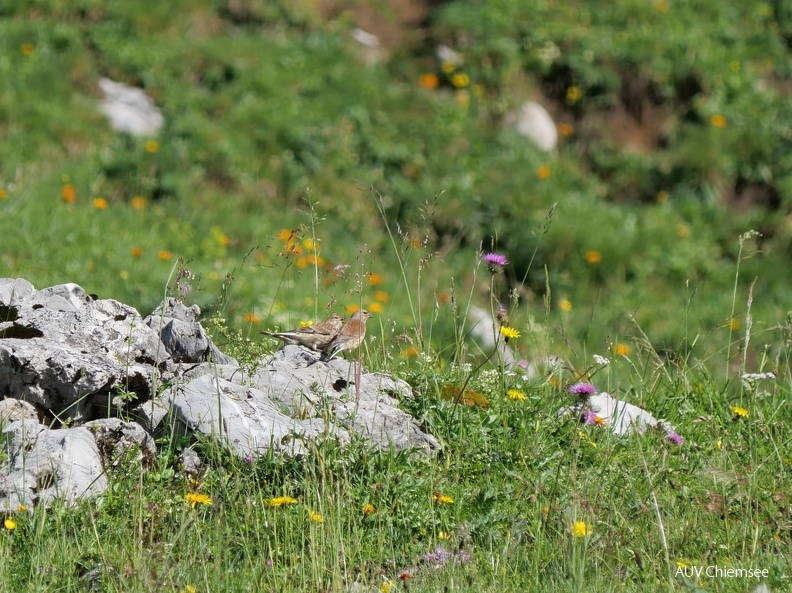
[(349, 337), (316, 337)]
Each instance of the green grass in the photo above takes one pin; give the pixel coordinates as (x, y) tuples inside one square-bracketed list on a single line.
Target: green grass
[(275, 124)]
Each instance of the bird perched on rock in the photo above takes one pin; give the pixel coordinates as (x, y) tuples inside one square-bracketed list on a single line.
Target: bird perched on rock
[(350, 336), (316, 337)]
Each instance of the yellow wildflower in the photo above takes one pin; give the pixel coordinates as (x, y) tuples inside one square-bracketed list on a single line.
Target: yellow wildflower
[(460, 80), (280, 501), (26, 49), (717, 121), (382, 296), (741, 412), (580, 529), (9, 524), (164, 254), (573, 95), (448, 67), (99, 203), (151, 146), (375, 279), (509, 332), (565, 305), (622, 350), (251, 318), (137, 252), (69, 193), (368, 509), (443, 499), (196, 498), (428, 81), (515, 395), (593, 257), (375, 308), (138, 202), (543, 172), (443, 535), (316, 517), (3, 194)]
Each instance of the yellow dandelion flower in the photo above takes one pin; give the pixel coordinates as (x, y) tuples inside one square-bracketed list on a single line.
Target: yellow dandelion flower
[(164, 255), (681, 564), (69, 193), (443, 499), (286, 235), (428, 81), (22, 508), (565, 130), (565, 305), (460, 80), (717, 121), (443, 535), (375, 279), (734, 324), (309, 244), (593, 257), (306, 323), (352, 308), (375, 308), (136, 252), (251, 318), (316, 517), (381, 296), (573, 95), (26, 49), (280, 501), (580, 529), (368, 509), (387, 586), (3, 194), (302, 262), (224, 240), (515, 395), (599, 421), (622, 350), (543, 172), (138, 203), (448, 67), (196, 498), (509, 332), (741, 412), (9, 524), (189, 589), (151, 146), (99, 203)]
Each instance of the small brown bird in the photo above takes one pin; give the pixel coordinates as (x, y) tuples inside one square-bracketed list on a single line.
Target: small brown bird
[(350, 336), (316, 337)]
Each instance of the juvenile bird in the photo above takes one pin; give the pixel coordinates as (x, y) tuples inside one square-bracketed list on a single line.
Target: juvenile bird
[(316, 337), (349, 337)]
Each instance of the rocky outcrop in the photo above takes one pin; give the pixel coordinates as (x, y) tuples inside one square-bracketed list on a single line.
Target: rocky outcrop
[(72, 366)]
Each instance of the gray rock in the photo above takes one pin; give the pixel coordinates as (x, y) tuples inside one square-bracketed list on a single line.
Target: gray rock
[(191, 463), (129, 109), (620, 417), (12, 410), (67, 353), (115, 440), (533, 121), (183, 337), (45, 465)]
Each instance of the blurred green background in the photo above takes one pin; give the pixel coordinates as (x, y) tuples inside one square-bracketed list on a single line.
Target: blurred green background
[(299, 169)]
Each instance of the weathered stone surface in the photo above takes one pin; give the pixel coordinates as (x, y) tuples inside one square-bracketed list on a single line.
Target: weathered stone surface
[(620, 417), (71, 356), (129, 109), (115, 438), (183, 337), (12, 410), (45, 465), (533, 121)]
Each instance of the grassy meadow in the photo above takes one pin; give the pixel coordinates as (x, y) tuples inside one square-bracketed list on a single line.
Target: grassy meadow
[(298, 174)]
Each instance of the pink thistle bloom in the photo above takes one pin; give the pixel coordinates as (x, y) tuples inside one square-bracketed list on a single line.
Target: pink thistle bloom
[(582, 388), (495, 262), (675, 438), (589, 417)]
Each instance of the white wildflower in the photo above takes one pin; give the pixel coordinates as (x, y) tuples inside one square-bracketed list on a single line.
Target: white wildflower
[(601, 360)]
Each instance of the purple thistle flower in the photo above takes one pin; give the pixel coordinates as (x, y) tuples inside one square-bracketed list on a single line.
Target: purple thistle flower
[(248, 458), (494, 261), (675, 438), (581, 388), (589, 417)]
